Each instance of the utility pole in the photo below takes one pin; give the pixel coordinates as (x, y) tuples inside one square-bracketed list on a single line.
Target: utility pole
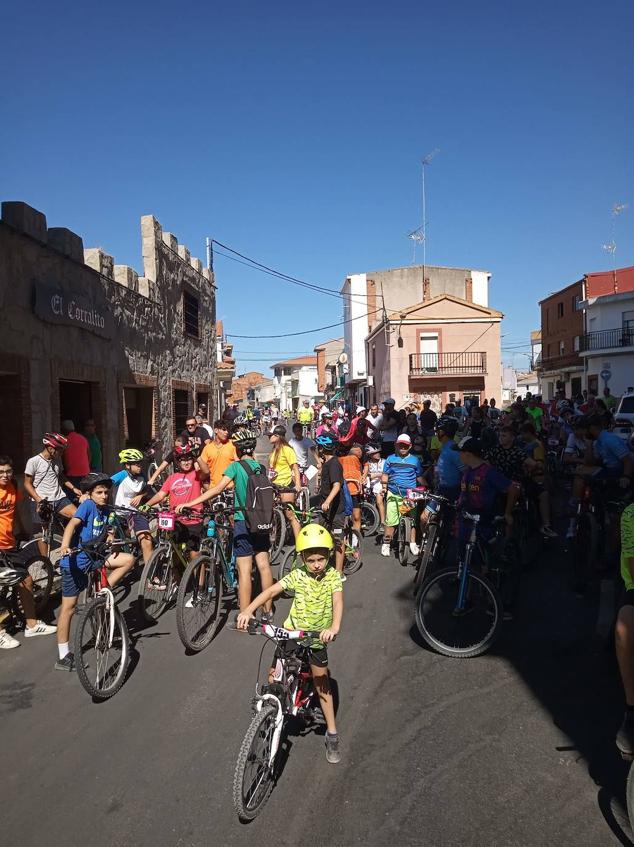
[(425, 162)]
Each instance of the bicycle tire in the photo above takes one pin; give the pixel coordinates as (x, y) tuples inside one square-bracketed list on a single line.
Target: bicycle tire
[(206, 607), (261, 729), (629, 795), (53, 553), (153, 602), (41, 571), (278, 533), (439, 593), (96, 617), (353, 557), (370, 519), (288, 563), (404, 532), (427, 556)]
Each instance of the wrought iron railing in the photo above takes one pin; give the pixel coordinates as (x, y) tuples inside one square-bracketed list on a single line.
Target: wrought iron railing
[(447, 364), (606, 338)]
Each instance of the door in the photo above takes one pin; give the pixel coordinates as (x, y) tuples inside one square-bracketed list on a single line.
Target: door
[(139, 408), (428, 347)]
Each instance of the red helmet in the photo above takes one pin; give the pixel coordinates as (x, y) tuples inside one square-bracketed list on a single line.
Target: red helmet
[(54, 439), (183, 451)]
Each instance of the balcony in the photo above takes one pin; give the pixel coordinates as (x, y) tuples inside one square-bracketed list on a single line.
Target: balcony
[(447, 364), (607, 339)]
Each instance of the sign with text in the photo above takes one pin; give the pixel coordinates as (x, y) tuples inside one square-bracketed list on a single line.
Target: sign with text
[(63, 303)]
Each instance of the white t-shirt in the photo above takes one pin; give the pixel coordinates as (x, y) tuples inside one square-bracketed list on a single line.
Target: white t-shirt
[(373, 469), (375, 420), (576, 446), (45, 475), (128, 489), (302, 447)]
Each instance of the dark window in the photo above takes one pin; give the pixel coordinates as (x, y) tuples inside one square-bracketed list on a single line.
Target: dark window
[(181, 410), (627, 406), (560, 310), (373, 356), (190, 314), (288, 371), (547, 319)]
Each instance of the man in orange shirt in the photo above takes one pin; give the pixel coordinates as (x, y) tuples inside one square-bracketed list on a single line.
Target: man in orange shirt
[(219, 453), (9, 519)]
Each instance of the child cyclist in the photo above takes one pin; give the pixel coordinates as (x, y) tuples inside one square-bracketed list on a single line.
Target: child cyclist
[(130, 491), (90, 521), (317, 605)]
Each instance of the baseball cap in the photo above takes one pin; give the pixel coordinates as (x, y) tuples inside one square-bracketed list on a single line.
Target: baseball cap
[(403, 439), (390, 400), (278, 430), (361, 409), (471, 445)]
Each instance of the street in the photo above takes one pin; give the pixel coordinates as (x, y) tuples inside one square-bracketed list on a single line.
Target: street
[(510, 748)]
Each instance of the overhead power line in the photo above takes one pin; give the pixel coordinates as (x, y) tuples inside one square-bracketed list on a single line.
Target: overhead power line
[(307, 331)]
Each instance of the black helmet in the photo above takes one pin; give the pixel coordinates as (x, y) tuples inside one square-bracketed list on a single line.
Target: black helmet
[(448, 425), (92, 480)]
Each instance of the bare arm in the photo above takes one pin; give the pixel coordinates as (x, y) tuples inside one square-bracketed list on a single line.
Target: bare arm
[(296, 477), (70, 528), (336, 488), (207, 495), (157, 498), (28, 487), (157, 472), (268, 594)]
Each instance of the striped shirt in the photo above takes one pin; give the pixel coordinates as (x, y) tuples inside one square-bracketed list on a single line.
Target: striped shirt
[(312, 606)]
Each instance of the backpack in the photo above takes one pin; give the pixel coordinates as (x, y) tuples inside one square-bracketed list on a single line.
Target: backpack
[(346, 498), (259, 502)]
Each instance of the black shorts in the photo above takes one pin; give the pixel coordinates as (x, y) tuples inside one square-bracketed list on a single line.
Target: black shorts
[(189, 535), (627, 599), (356, 501), (317, 657)]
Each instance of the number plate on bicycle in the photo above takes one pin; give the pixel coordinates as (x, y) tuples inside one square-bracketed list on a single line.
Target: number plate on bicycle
[(166, 521), (415, 494)]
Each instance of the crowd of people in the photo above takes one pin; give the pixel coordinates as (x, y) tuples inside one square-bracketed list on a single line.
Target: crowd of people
[(479, 456)]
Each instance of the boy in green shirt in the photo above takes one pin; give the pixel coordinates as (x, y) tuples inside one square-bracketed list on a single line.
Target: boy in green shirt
[(317, 605)]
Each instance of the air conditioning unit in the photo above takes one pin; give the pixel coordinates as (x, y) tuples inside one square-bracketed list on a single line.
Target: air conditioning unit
[(370, 381)]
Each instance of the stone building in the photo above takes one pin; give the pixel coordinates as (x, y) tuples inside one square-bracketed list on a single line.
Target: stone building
[(83, 337)]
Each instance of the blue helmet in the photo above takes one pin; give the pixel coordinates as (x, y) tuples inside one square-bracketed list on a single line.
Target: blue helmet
[(327, 443)]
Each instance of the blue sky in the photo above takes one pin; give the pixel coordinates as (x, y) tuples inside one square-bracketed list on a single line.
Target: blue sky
[(293, 133)]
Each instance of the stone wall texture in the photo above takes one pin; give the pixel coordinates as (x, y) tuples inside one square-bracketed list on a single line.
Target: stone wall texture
[(147, 345)]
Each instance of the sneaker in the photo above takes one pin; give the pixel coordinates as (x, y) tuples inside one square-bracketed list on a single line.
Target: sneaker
[(192, 603), (40, 628), (332, 749), (7, 642), (414, 549), (625, 736), (548, 532), (65, 664), (385, 549)]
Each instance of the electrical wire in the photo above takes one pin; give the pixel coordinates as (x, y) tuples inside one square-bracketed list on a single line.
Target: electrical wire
[(307, 331)]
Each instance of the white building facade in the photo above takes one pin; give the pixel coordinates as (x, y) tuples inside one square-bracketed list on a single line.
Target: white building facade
[(294, 381), (607, 347)]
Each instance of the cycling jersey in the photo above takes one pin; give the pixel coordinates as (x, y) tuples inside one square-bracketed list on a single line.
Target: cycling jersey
[(128, 489), (479, 492), (312, 603), (610, 449), (449, 468), (305, 416), (627, 545)]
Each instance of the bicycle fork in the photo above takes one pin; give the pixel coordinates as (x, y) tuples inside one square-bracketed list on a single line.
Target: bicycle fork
[(463, 575), (279, 721)]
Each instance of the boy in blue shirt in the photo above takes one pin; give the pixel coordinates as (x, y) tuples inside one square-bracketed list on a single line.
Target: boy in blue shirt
[(90, 521), (400, 472), (449, 468)]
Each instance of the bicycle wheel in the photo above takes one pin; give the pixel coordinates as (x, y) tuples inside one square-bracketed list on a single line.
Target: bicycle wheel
[(199, 602), (370, 519), (54, 554), (458, 633), (278, 533), (629, 795), (289, 562), (41, 572), (156, 584), (352, 557), (428, 554), (101, 649), (404, 533), (254, 776)]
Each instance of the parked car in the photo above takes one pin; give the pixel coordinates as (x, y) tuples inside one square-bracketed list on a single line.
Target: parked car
[(624, 418)]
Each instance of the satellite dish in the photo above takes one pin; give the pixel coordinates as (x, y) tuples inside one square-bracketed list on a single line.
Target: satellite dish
[(343, 358)]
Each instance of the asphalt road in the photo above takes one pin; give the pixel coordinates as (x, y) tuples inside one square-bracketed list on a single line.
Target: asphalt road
[(514, 748)]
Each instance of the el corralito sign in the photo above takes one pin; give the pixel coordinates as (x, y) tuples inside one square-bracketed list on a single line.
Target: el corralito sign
[(64, 303)]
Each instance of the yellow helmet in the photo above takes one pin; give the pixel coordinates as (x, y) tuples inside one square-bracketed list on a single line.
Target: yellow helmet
[(312, 537)]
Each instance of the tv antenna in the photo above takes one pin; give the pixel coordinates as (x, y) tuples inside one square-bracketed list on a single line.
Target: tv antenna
[(416, 236), (425, 162)]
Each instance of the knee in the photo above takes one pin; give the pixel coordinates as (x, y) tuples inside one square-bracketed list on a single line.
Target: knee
[(624, 625)]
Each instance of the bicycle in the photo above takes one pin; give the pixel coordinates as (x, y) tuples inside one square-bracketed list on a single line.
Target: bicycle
[(437, 521), (458, 611), (279, 526), (51, 532), (39, 568), (409, 511), (290, 695), (370, 519), (205, 581), (101, 631), (158, 585)]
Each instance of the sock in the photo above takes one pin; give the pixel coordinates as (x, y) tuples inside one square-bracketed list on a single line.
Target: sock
[(63, 650), (332, 734)]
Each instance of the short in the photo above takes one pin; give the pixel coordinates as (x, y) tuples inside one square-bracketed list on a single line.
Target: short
[(75, 577), (356, 501), (317, 656), (58, 505), (627, 599), (247, 543), (189, 534), (392, 509), (140, 523)]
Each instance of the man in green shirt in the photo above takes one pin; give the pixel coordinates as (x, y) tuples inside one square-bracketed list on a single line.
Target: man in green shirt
[(246, 545), (96, 454), (536, 413), (609, 400)]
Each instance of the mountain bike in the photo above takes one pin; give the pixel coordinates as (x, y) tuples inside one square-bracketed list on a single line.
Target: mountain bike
[(35, 566), (161, 574), (437, 518), (50, 532), (459, 612), (279, 527), (206, 580), (407, 521), (370, 519), (291, 694), (101, 643)]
